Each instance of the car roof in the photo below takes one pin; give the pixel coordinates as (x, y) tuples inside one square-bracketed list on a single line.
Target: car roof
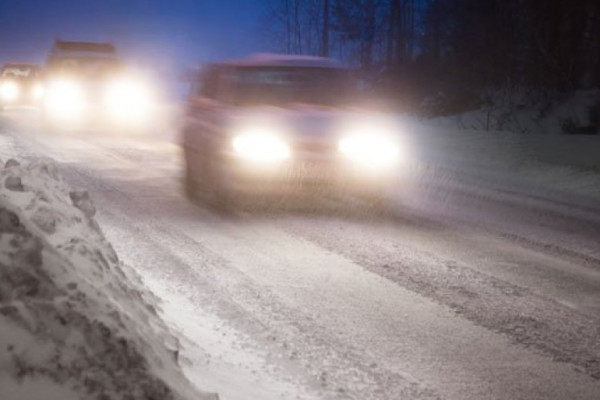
[(283, 60), (73, 46), (71, 49), (21, 65)]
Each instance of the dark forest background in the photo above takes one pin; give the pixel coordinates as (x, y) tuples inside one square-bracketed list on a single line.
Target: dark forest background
[(457, 50)]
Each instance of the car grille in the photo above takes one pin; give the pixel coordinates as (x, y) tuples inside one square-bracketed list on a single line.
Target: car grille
[(315, 148)]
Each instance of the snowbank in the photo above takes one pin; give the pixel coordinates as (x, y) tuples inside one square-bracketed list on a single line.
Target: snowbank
[(75, 323), (523, 112), (563, 167)]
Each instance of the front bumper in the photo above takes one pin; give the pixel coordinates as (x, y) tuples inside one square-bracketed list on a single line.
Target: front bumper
[(95, 116), (308, 174)]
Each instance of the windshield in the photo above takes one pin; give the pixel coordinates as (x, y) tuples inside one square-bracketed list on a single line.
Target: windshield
[(17, 71), (277, 86), (89, 67)]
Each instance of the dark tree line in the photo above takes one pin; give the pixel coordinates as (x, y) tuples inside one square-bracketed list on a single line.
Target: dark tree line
[(431, 45), (371, 33)]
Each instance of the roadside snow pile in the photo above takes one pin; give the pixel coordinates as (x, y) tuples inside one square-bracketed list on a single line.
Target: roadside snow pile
[(75, 323), (520, 111), (565, 167)]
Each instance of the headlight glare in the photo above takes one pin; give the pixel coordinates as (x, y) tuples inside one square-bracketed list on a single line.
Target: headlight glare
[(9, 91), (65, 99), (38, 91), (371, 150), (127, 100)]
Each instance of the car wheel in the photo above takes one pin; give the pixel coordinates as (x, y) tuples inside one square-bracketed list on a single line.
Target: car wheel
[(221, 195), (379, 201), (189, 182), (205, 180)]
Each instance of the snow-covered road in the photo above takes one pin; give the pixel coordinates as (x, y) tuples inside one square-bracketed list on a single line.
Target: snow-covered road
[(472, 290)]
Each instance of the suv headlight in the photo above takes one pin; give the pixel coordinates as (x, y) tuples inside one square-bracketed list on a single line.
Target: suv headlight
[(9, 90), (260, 147)]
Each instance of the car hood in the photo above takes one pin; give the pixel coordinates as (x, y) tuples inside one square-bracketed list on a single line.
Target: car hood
[(301, 121)]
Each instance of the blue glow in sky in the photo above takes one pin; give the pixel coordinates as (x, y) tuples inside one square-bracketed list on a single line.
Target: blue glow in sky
[(170, 34)]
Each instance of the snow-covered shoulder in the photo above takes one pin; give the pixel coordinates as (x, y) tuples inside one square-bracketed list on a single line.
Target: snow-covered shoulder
[(75, 322)]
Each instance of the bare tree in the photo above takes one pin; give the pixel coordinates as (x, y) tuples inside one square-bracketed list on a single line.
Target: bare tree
[(324, 45), (473, 44)]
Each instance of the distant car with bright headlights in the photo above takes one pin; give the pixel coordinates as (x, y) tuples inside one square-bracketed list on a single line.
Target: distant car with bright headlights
[(20, 85), (282, 124), (86, 84)]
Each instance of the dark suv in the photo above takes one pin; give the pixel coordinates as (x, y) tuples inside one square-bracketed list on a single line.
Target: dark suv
[(87, 84), (281, 124)]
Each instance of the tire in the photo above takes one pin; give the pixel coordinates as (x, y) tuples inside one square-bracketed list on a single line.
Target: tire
[(204, 180), (379, 201), (381, 205), (189, 182), (220, 195)]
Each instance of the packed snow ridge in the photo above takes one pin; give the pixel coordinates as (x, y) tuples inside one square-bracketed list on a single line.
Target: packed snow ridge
[(75, 322)]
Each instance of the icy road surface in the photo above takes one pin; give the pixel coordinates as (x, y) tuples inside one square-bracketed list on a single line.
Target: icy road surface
[(476, 288)]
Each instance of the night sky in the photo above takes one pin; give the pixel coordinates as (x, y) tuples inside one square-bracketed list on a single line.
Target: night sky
[(169, 34)]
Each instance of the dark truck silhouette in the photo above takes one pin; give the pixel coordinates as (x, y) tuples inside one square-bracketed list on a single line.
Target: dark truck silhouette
[(86, 83), (277, 124)]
